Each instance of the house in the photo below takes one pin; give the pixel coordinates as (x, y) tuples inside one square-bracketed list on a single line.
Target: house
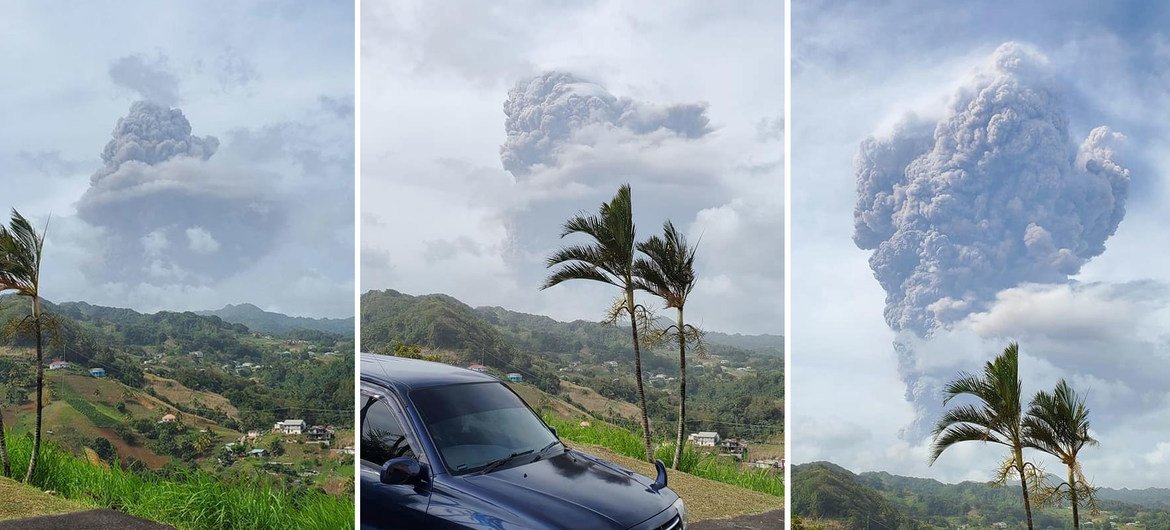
[(515, 377), (197, 354), (611, 363), (167, 418), (319, 433), (58, 364), (733, 446), (477, 368), (290, 426), (257, 452), (97, 372), (253, 434), (704, 439)]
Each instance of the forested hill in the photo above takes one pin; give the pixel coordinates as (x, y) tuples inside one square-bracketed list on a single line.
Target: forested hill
[(256, 372), (826, 491), (734, 390), (280, 324)]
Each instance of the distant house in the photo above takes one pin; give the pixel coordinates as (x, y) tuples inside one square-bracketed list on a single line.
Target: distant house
[(252, 435), (611, 363), (290, 426), (257, 452), (197, 354), (58, 365), (733, 446), (167, 418), (477, 368), (319, 433), (97, 372), (515, 377), (704, 439)]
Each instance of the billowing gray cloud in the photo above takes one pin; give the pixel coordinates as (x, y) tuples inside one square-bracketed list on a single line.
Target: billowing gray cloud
[(994, 195), (167, 210), (545, 112), (151, 79)]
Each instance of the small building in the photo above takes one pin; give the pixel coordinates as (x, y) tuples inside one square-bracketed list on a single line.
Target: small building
[(319, 433), (477, 368), (515, 377), (704, 439), (58, 365), (258, 452), (97, 372), (253, 434), (733, 446), (167, 418), (290, 426), (197, 354)]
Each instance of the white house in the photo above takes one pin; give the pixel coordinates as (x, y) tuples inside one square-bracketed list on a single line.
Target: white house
[(704, 439), (290, 426)]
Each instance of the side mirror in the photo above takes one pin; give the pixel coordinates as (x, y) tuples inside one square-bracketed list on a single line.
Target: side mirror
[(402, 470)]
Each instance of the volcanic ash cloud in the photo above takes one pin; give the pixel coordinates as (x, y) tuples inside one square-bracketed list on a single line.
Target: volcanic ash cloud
[(546, 112), (171, 214), (994, 195)]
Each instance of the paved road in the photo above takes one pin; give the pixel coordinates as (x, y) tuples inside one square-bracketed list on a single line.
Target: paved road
[(92, 520), (764, 521)]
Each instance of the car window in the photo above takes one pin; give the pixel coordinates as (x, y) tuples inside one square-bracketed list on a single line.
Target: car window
[(474, 424), (383, 436)]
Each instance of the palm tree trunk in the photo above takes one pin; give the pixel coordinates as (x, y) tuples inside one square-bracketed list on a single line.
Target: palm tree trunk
[(1024, 485), (7, 466), (682, 389), (638, 372), (36, 448), (1072, 497)]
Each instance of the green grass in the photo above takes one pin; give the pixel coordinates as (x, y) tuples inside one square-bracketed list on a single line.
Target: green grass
[(191, 500), (630, 444), (80, 404), (22, 501)]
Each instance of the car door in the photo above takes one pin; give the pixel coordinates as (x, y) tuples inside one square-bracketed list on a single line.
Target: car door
[(386, 435)]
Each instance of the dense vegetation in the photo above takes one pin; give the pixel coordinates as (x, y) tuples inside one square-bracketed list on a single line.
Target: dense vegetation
[(825, 491), (718, 397)]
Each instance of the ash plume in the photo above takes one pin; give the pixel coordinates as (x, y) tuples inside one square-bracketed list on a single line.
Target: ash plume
[(546, 111), (994, 195)]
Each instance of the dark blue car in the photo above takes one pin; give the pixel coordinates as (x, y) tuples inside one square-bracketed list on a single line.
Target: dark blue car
[(444, 447)]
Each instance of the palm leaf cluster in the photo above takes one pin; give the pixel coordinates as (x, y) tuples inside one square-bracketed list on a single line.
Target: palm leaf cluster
[(1056, 423), (664, 269), (21, 249)]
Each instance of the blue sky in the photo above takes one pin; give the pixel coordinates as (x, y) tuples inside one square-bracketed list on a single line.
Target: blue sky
[(858, 69), (267, 218)]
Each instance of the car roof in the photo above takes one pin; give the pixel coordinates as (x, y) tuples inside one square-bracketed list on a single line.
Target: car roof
[(405, 374)]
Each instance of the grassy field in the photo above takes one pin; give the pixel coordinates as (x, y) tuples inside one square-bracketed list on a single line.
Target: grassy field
[(628, 443), (706, 499), (21, 501), (191, 501)]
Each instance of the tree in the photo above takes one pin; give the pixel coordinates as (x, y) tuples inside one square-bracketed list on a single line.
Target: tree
[(20, 270), (608, 259), (1058, 424), (669, 274), (996, 418)]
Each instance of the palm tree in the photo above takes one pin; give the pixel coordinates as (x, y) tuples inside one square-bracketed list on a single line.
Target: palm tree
[(996, 418), (1058, 424), (20, 271), (608, 259), (669, 274)]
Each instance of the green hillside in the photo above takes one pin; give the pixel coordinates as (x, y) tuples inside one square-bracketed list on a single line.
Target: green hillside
[(829, 496), (734, 391), (271, 323)]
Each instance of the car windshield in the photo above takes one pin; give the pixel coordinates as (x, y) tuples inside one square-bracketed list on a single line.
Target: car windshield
[(474, 425)]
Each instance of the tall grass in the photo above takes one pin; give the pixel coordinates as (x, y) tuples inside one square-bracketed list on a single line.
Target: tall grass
[(629, 443), (192, 500)]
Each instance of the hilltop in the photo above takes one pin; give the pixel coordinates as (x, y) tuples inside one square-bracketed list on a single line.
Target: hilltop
[(280, 324), (829, 496)]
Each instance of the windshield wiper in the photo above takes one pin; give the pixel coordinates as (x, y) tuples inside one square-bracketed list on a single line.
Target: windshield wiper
[(499, 462), (546, 448)]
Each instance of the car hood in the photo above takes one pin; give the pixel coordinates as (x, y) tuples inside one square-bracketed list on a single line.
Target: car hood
[(575, 489)]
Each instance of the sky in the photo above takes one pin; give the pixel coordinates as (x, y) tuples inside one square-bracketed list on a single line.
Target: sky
[(964, 177), (484, 127), (185, 157)]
